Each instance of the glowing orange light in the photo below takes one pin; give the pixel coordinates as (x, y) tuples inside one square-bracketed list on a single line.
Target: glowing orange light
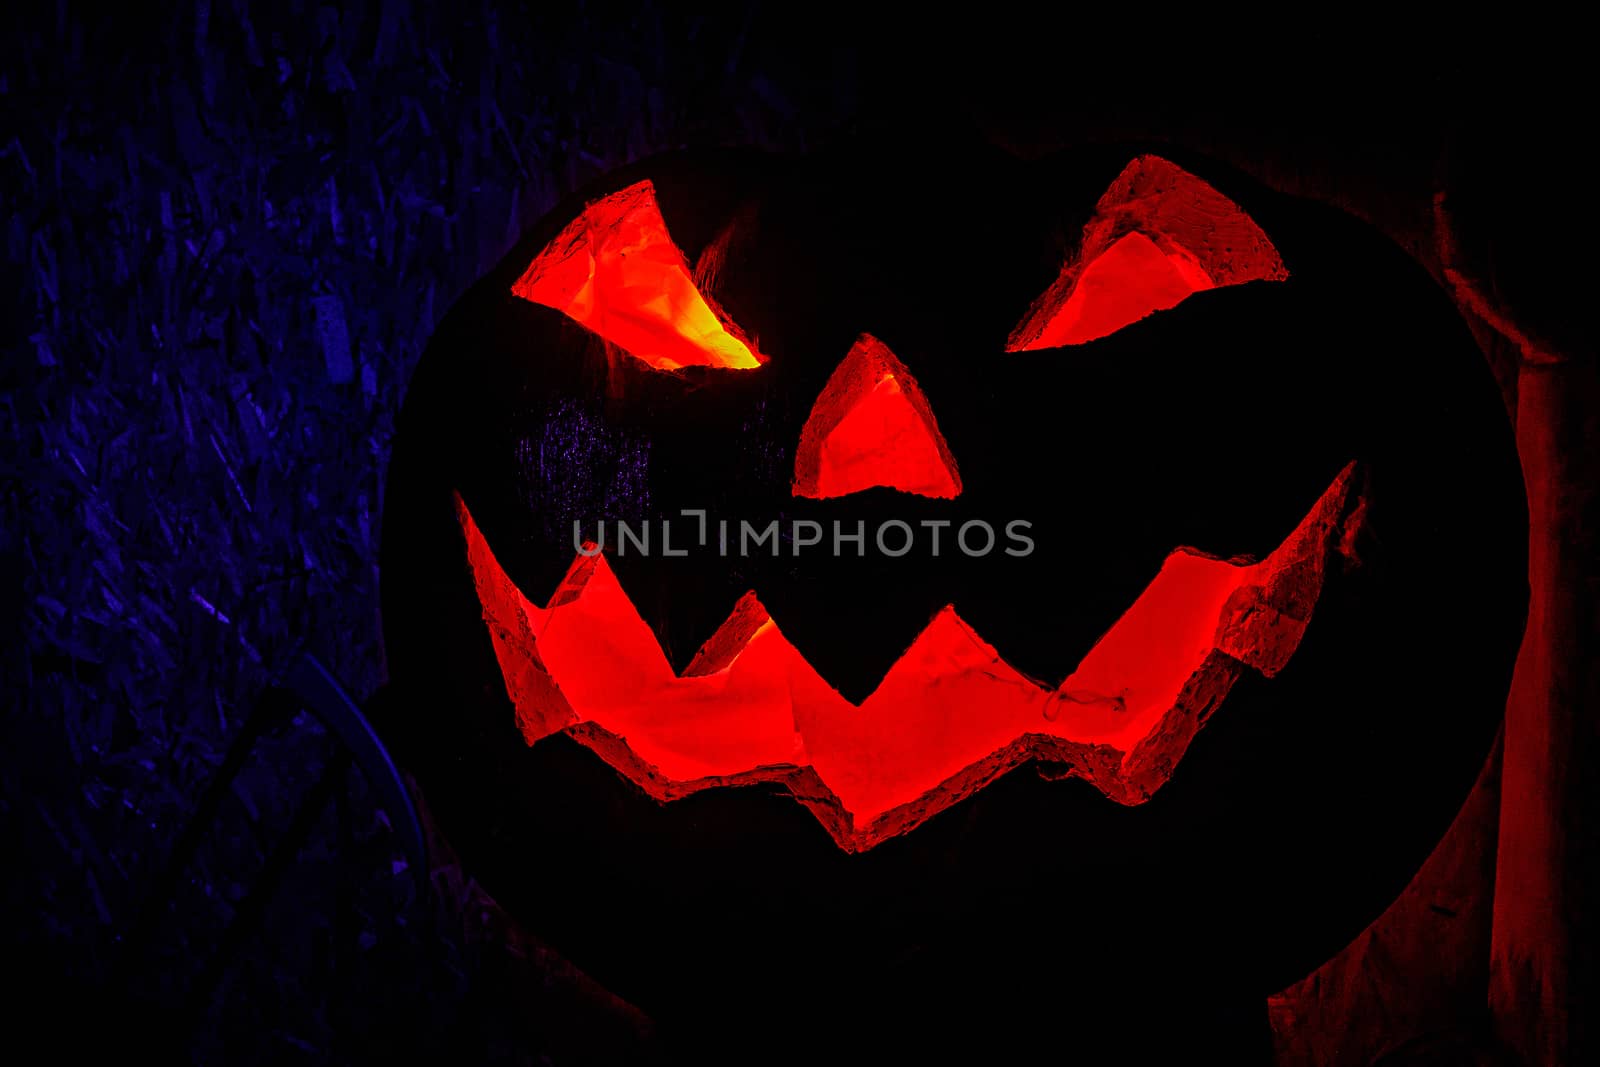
[(871, 426), (615, 270), (1158, 236), (949, 714)]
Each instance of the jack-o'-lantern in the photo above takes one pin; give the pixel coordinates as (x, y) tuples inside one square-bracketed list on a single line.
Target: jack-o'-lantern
[(808, 579)]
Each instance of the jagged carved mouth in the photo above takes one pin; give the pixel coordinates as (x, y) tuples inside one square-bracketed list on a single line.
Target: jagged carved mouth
[(948, 716)]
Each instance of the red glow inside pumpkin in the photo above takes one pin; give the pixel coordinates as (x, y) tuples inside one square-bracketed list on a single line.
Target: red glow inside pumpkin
[(616, 271), (871, 426), (947, 714), (1158, 236), (1131, 279)]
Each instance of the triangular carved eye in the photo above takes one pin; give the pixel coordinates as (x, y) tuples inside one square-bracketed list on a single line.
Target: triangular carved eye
[(1158, 236), (615, 270), (872, 427)]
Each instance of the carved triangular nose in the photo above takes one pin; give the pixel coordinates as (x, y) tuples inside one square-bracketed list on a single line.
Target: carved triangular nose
[(870, 427)]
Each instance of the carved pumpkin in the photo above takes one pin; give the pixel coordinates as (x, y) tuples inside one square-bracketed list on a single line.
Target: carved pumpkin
[(926, 508)]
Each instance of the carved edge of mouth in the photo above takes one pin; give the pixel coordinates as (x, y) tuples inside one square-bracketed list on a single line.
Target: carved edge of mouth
[(1259, 628)]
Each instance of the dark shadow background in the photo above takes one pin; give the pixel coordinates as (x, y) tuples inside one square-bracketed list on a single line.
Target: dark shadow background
[(229, 230)]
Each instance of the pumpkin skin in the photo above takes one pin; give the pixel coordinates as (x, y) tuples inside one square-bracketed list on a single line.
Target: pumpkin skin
[(731, 914)]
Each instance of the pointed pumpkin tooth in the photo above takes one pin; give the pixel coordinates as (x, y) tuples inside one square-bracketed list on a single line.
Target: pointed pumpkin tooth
[(730, 639), (946, 703), (1266, 617), (542, 709)]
